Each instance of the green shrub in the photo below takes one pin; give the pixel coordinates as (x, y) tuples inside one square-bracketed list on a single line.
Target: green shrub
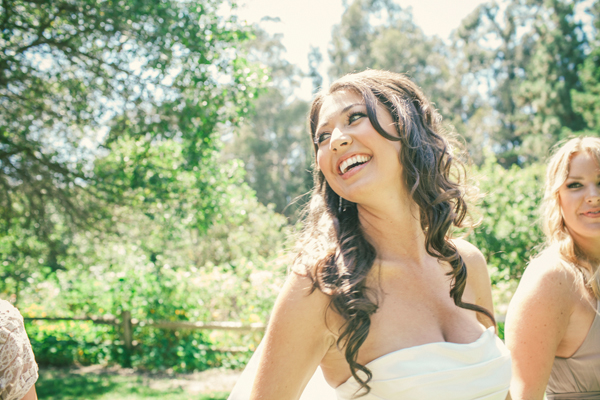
[(509, 231), (64, 343)]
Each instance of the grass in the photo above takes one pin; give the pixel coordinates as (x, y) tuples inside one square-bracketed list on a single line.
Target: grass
[(56, 384)]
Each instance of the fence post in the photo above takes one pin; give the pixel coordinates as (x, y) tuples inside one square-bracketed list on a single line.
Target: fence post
[(127, 336)]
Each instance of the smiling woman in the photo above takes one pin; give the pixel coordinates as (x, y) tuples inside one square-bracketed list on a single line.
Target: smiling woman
[(380, 300), (552, 325)]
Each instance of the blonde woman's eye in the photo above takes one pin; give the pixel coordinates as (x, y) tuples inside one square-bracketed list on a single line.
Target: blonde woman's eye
[(574, 185)]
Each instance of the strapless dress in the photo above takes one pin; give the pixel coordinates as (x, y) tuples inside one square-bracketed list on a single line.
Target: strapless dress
[(451, 371)]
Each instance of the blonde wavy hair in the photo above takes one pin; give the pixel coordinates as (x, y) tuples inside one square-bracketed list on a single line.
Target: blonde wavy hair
[(557, 234)]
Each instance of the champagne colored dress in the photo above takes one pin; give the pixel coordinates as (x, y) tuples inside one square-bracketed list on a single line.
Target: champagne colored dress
[(578, 377)]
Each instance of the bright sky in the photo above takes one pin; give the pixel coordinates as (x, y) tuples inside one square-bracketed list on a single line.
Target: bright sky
[(309, 22)]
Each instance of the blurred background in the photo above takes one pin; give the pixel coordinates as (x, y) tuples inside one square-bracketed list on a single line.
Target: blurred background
[(154, 160)]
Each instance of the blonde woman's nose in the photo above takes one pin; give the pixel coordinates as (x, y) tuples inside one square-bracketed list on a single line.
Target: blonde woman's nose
[(339, 139), (593, 194)]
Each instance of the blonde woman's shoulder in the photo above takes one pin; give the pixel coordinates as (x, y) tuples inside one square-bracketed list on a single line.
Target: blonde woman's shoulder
[(548, 274), (545, 293)]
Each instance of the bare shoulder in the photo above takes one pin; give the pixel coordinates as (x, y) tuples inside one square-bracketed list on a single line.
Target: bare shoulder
[(472, 256), (536, 322), (296, 341), (543, 301), (298, 289), (477, 272), (478, 278), (547, 276), (302, 309)]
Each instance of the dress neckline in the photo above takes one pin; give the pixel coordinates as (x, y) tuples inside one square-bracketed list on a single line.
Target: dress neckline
[(489, 331), (590, 331)]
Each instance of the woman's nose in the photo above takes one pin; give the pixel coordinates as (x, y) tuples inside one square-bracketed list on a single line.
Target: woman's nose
[(593, 195), (339, 139)]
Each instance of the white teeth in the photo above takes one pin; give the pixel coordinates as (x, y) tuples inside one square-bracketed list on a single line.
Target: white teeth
[(353, 160)]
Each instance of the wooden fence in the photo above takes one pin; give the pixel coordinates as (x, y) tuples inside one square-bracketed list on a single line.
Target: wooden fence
[(126, 324)]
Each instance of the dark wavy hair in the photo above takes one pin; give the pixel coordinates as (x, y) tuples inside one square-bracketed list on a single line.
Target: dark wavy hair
[(334, 252)]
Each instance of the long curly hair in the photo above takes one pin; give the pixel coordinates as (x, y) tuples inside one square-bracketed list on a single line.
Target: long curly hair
[(557, 233), (334, 252)]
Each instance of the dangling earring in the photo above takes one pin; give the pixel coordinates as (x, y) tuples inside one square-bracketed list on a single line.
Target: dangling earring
[(340, 206)]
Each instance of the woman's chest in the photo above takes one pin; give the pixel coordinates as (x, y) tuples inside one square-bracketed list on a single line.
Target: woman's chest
[(411, 312), (580, 324)]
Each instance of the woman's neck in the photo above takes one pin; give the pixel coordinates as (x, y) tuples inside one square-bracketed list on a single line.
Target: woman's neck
[(395, 232), (588, 246)]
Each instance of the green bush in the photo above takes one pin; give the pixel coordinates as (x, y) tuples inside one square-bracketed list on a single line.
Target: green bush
[(509, 231), (65, 343)]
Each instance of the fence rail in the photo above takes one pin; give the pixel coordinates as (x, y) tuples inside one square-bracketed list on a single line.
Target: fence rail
[(126, 324)]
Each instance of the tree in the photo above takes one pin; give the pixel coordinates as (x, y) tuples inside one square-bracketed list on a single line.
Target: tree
[(82, 79), (273, 141), (380, 34), (552, 74), (586, 100), (509, 231), (525, 56), (315, 58), (494, 55)]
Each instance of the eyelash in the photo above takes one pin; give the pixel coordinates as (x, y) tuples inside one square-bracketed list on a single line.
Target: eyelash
[(318, 138), (576, 185)]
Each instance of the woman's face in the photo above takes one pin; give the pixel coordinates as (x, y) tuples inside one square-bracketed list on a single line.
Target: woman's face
[(579, 197), (354, 158)]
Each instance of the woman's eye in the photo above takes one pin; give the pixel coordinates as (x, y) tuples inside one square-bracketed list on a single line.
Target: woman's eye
[(321, 137), (574, 185), (355, 116)]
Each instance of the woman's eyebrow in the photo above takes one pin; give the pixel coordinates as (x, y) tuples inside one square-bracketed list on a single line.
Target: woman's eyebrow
[(580, 177), (341, 112)]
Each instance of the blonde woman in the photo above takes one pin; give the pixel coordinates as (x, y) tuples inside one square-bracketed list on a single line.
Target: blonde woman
[(552, 325)]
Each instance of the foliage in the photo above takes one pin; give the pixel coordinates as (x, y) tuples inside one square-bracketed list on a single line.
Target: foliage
[(552, 74), (64, 343), (273, 142), (525, 56), (277, 152), (67, 343), (87, 89), (587, 100), (380, 34), (156, 264), (509, 232)]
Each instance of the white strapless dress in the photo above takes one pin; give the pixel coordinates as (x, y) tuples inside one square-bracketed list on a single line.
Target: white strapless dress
[(451, 371)]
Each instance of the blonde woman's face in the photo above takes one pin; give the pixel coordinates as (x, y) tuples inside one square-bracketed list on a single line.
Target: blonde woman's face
[(579, 198)]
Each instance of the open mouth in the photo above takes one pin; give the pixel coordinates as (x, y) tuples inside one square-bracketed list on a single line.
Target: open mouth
[(595, 213), (353, 162)]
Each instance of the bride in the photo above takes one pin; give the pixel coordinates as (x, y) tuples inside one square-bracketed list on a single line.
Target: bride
[(380, 301)]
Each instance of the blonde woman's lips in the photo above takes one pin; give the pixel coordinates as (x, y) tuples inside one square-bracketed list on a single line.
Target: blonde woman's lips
[(592, 213)]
